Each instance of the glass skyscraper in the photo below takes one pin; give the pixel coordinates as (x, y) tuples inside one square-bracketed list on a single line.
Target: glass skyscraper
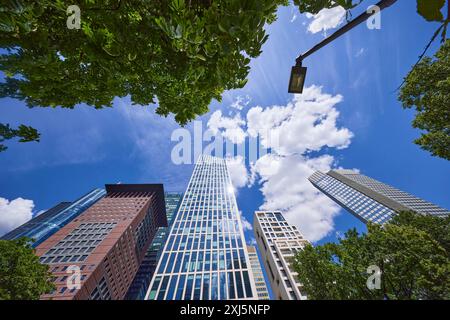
[(147, 268), (205, 257), (369, 199), (48, 223)]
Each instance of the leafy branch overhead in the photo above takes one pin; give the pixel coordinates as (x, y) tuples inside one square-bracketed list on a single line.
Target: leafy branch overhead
[(25, 133), (182, 55)]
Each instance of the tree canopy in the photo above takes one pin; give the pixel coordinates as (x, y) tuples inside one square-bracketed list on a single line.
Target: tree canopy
[(179, 53), (427, 89), (22, 276), (412, 253), (176, 54)]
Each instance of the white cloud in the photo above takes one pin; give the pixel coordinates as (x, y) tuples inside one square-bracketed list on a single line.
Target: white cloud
[(246, 225), (14, 213), (241, 102), (230, 128), (326, 19), (285, 187), (238, 171), (308, 123)]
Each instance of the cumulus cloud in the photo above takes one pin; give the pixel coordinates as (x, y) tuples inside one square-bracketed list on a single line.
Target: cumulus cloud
[(238, 171), (307, 123), (326, 19), (230, 128), (285, 187), (14, 213)]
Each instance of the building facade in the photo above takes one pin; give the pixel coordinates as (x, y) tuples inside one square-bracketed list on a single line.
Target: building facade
[(48, 223), (278, 242), (260, 282), (205, 256), (369, 199), (96, 255), (141, 281)]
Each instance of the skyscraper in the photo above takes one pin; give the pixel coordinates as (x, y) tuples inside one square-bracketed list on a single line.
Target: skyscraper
[(139, 286), (104, 246), (48, 223), (205, 256), (260, 283), (369, 199), (278, 242)]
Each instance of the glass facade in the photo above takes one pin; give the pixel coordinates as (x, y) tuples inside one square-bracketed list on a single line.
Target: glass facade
[(205, 256), (48, 223), (368, 199), (138, 288)]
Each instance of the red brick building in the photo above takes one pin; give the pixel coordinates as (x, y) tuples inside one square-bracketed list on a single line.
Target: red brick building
[(104, 246)]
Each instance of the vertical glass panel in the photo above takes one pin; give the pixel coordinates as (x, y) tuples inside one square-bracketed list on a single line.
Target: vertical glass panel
[(193, 261), (223, 285), (200, 261), (247, 285), (214, 261), (231, 293), (198, 287), (154, 288), (240, 289), (162, 289), (186, 262), (214, 287), (188, 293), (178, 262), (235, 259), (206, 285), (180, 289), (171, 262), (207, 261), (243, 262), (171, 290), (163, 263)]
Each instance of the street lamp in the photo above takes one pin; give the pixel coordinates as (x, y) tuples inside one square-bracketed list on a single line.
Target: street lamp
[(298, 72), (298, 75)]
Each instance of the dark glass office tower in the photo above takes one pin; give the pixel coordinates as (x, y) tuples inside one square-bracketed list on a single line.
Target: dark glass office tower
[(369, 199), (141, 281), (205, 256), (48, 223)]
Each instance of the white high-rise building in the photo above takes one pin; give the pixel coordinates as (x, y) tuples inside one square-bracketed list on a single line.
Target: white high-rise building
[(205, 256), (260, 282), (278, 241)]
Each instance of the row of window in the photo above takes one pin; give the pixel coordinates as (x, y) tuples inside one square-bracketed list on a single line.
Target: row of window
[(202, 286), (202, 261)]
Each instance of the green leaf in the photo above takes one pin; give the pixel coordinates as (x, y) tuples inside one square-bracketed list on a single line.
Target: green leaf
[(431, 9)]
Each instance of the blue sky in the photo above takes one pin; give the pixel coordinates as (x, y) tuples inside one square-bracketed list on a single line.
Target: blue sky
[(85, 148)]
